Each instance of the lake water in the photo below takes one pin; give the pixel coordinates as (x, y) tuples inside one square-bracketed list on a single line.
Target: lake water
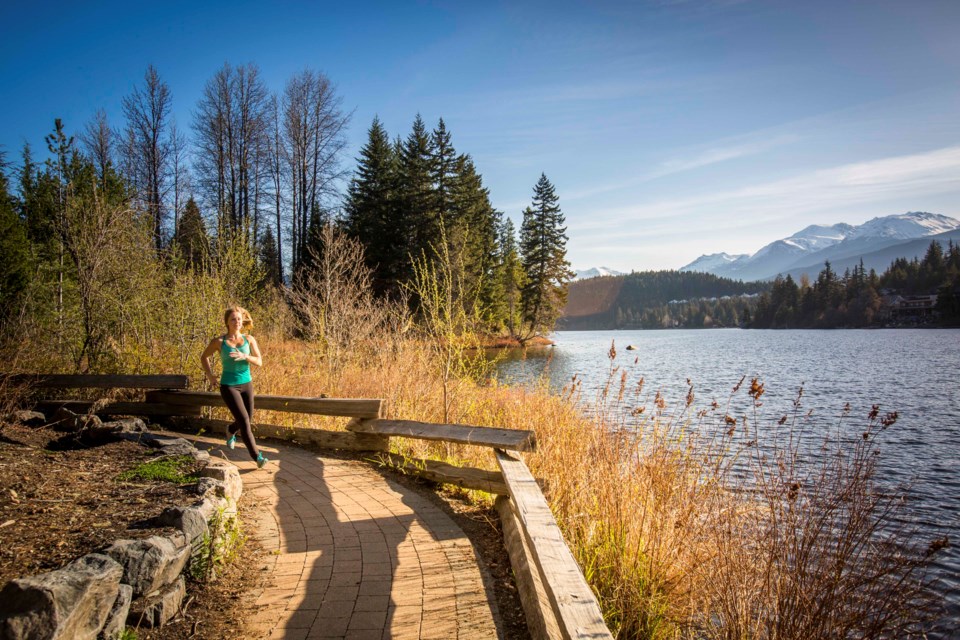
[(913, 372)]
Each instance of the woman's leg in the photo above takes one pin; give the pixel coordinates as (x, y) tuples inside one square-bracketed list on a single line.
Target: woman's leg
[(246, 430), (239, 400), (232, 401)]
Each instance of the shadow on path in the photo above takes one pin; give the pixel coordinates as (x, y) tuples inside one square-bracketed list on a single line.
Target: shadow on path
[(354, 555)]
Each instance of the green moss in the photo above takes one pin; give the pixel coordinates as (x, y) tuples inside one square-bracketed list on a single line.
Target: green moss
[(176, 469)]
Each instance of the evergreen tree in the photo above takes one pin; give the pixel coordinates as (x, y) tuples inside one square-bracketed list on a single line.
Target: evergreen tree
[(477, 238), (444, 172), (417, 195), (511, 279), (38, 205), (313, 247), (373, 212), (15, 262), (269, 258), (60, 146), (191, 237), (543, 249)]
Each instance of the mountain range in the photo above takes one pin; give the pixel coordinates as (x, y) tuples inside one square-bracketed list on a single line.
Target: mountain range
[(877, 242)]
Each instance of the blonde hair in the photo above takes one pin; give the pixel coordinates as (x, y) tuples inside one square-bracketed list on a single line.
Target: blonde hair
[(246, 321)]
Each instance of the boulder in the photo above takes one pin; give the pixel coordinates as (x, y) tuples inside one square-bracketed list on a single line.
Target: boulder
[(28, 418), (117, 619), (169, 446), (190, 520), (207, 486), (149, 564), (226, 473), (64, 419), (126, 425), (159, 607), (70, 603)]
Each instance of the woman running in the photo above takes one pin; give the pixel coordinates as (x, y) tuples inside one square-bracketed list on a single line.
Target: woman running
[(237, 352)]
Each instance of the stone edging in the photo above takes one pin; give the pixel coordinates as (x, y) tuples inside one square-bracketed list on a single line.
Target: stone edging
[(138, 583)]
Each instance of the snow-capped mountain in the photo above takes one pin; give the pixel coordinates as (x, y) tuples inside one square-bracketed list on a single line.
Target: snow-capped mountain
[(710, 263), (595, 272), (808, 249)]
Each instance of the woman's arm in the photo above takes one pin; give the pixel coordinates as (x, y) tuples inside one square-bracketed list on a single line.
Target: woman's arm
[(211, 349), (254, 357)]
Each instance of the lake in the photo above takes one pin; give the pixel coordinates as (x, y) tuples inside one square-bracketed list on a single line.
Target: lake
[(914, 372)]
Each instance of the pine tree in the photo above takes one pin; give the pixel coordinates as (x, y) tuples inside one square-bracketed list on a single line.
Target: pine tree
[(60, 145), (417, 194), (373, 212), (444, 172), (15, 262), (475, 236), (543, 249), (511, 279), (191, 235), (270, 258)]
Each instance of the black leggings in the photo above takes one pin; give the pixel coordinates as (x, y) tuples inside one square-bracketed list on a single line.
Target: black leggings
[(239, 400)]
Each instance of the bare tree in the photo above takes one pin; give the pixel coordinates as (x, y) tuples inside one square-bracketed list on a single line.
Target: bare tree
[(313, 128), (179, 172), (231, 124), (147, 111), (334, 299), (276, 170), (99, 141)]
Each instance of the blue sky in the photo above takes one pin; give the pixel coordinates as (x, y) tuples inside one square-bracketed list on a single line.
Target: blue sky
[(670, 128)]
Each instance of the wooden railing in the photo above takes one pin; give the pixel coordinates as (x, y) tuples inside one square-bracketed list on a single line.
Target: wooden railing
[(556, 598)]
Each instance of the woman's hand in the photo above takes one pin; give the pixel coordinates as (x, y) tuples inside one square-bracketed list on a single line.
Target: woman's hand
[(238, 356)]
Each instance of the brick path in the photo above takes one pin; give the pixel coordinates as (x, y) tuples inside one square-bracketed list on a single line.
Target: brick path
[(354, 555)]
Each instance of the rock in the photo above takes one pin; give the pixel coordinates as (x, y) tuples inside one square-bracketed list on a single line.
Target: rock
[(64, 419), (151, 563), (117, 619), (70, 603), (169, 446), (206, 486), (190, 520), (210, 506), (201, 456), (631, 347), (127, 425), (158, 608), (228, 474), (28, 418)]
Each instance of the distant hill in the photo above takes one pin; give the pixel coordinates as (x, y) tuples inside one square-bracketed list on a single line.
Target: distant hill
[(808, 249), (639, 298)]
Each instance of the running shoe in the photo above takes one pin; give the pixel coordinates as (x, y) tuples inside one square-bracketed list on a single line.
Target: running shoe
[(232, 441)]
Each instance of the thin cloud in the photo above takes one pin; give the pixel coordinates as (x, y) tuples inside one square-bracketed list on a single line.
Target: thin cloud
[(714, 155), (915, 175)]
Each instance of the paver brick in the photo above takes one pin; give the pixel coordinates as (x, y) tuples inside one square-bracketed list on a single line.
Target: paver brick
[(355, 555)]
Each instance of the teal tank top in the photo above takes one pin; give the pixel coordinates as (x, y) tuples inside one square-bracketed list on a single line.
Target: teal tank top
[(235, 372)]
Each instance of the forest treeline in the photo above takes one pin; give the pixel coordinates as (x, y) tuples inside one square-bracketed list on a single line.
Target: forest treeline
[(244, 204), (855, 298), (661, 300)]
